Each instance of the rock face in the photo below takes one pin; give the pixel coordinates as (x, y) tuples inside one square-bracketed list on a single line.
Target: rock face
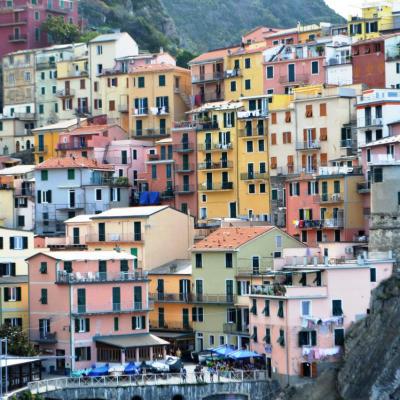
[(371, 368)]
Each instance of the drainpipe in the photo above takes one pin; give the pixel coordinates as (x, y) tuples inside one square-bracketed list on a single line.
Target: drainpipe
[(71, 330), (237, 165), (287, 340)]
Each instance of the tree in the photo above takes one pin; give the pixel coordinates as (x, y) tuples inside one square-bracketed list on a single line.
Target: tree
[(183, 57), (61, 32), (17, 341)]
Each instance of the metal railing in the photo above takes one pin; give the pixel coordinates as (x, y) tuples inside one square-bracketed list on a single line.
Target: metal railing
[(329, 198), (215, 146), (233, 73), (213, 298), (215, 165), (65, 93), (170, 325), (113, 308), (183, 147), (111, 181), (254, 132), (114, 237), (298, 78), (212, 76), (308, 145), (364, 187), (140, 111), (171, 297), (184, 167), (56, 384), (246, 176), (72, 146), (25, 116), (181, 189), (207, 125), (321, 223), (252, 114), (97, 277), (40, 149), (17, 38), (216, 186), (184, 125), (235, 329), (150, 133), (43, 337), (24, 192)]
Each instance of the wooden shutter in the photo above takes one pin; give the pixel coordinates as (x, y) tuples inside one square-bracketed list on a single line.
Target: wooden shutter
[(273, 162), (24, 242), (49, 196), (273, 118), (12, 242), (304, 161), (323, 134), (273, 138), (288, 117), (194, 314), (225, 120), (290, 160), (233, 119), (18, 293), (314, 161), (305, 135), (313, 134), (313, 338), (322, 110), (324, 160), (314, 372), (309, 112), (143, 322)]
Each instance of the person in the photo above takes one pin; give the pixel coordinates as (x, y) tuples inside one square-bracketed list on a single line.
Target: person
[(197, 373), (183, 373), (211, 371)]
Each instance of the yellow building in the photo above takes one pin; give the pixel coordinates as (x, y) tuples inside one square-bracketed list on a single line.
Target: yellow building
[(46, 138), (244, 72), (159, 95), (375, 18), (171, 290), (15, 247)]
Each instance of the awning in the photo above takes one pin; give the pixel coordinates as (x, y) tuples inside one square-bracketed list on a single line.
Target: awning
[(243, 354), (134, 340), (224, 350), (175, 335)]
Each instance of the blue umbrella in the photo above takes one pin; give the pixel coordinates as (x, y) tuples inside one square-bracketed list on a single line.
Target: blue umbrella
[(223, 351), (99, 371), (243, 354)]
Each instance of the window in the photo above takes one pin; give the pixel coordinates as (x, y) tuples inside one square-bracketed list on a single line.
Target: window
[(267, 337), (141, 82), (41, 108), (99, 69), (37, 15), (228, 260), (339, 337), (322, 110), (199, 260), (44, 175), (261, 145), (312, 188), (154, 171), (307, 338), (281, 338), (161, 80), (71, 174), (263, 188), (377, 175), (315, 67), (82, 325), (270, 72), (43, 267), (116, 324), (211, 339), (12, 294), (253, 309), (83, 354), (249, 146), (18, 242), (309, 111), (280, 313), (37, 34), (266, 310), (306, 308), (247, 63), (99, 50), (336, 187), (111, 105), (254, 335), (233, 86), (337, 310), (139, 322), (372, 274), (98, 194), (252, 188), (294, 189), (247, 84), (222, 340), (21, 219), (273, 138)]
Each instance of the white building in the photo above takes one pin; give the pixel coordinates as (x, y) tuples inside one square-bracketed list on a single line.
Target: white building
[(339, 70)]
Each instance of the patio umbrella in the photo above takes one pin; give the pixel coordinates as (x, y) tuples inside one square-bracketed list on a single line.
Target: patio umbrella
[(243, 354), (223, 351)]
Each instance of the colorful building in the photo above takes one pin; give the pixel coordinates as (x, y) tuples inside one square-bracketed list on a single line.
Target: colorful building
[(136, 230), (223, 264), (102, 299), (299, 318), (171, 290), (16, 135)]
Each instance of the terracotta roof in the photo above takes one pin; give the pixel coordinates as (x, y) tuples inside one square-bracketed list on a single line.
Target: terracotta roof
[(213, 54), (230, 238), (72, 162), (242, 51), (158, 67)]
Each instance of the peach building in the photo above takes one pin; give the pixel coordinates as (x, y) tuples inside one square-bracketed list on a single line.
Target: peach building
[(299, 316), (90, 307)]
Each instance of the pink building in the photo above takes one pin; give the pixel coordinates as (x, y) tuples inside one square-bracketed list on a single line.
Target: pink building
[(21, 20), (89, 141), (184, 142), (300, 314), (90, 307), (288, 66)]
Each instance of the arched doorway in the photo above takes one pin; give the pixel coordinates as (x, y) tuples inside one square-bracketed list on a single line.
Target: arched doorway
[(28, 144)]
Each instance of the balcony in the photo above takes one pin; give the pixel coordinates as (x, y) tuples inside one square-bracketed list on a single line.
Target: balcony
[(284, 291), (44, 337), (215, 146), (235, 329), (115, 238), (140, 112), (213, 76), (348, 143), (329, 171), (99, 277), (251, 133), (45, 65), (170, 325), (167, 194), (171, 297), (250, 270), (185, 189), (252, 114), (383, 159), (308, 145), (58, 10), (338, 61), (65, 93), (214, 165), (311, 224), (151, 133), (124, 108), (233, 73), (254, 176), (72, 206), (327, 198), (184, 168), (40, 150), (24, 192), (214, 187), (120, 181), (214, 298), (207, 125), (298, 79), (20, 38), (71, 146), (364, 187), (365, 123), (189, 125), (184, 147), (113, 308), (164, 110), (25, 116)]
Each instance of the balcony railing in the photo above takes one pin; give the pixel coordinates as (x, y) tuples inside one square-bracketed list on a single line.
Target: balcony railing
[(383, 159), (246, 176), (253, 270), (24, 192), (98, 277), (249, 133), (348, 143), (207, 125), (25, 116), (184, 168), (171, 325), (184, 147), (213, 76), (185, 189), (113, 308), (140, 111), (363, 187), (114, 237), (329, 198), (44, 337), (215, 146), (120, 181), (321, 223), (65, 93), (235, 329), (211, 186), (215, 165), (184, 125), (123, 108), (214, 298), (40, 149), (17, 38), (167, 194), (289, 291), (45, 65), (164, 110), (233, 73), (252, 114), (308, 145), (171, 297), (72, 146), (150, 133), (297, 79)]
